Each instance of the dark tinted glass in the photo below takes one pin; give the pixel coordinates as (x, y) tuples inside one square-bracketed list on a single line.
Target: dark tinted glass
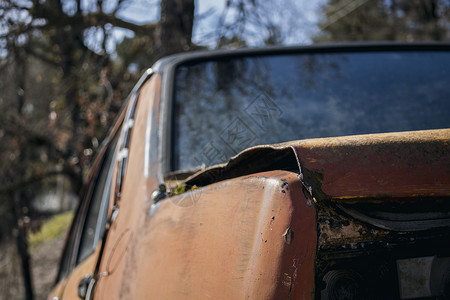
[(96, 217), (222, 107)]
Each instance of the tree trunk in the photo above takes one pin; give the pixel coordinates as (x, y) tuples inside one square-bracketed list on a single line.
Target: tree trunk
[(22, 246), (20, 225), (176, 24)]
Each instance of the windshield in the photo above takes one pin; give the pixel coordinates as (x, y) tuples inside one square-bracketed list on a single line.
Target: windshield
[(224, 106)]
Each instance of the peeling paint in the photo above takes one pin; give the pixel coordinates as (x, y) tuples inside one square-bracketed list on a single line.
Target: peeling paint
[(337, 230), (288, 236), (350, 167)]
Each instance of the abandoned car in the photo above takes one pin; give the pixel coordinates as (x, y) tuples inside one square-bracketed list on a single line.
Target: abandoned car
[(317, 172)]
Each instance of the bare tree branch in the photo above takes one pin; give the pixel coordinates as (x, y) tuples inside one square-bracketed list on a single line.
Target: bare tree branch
[(101, 19), (66, 169)]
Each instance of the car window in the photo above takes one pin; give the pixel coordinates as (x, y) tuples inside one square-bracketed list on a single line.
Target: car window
[(68, 249), (96, 217), (277, 98)]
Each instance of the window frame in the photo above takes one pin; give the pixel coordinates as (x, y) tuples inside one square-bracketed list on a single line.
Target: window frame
[(68, 261), (168, 68), (107, 164)]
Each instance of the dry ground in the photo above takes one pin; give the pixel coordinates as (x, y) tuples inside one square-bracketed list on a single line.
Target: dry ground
[(44, 261)]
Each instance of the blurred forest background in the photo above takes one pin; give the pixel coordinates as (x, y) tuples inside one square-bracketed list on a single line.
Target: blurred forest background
[(66, 67)]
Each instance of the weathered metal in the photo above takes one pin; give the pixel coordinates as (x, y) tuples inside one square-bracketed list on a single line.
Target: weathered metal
[(403, 164), (249, 237), (275, 222)]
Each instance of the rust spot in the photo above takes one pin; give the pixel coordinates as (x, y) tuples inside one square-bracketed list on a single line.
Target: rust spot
[(288, 236), (337, 230), (272, 219), (284, 186)]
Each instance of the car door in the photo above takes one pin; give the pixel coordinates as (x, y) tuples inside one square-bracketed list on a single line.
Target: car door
[(83, 245)]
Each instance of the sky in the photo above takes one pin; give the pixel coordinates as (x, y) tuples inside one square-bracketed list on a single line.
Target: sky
[(298, 21)]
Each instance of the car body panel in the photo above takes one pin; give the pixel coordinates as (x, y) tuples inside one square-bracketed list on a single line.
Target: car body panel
[(403, 164), (67, 286), (87, 267), (135, 199), (249, 237), (130, 272), (386, 165), (58, 290), (270, 222)]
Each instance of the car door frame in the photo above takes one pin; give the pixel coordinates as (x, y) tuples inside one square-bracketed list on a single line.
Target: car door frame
[(70, 269)]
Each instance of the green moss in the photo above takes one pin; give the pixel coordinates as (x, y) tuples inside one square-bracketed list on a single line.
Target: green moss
[(51, 229), (182, 188)]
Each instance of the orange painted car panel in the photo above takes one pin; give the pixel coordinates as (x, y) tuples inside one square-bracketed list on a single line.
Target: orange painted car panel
[(251, 237), (382, 166), (263, 225), (84, 268), (135, 200), (252, 234), (403, 164), (58, 290)]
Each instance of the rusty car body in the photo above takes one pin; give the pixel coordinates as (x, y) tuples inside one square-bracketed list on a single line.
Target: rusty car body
[(224, 178)]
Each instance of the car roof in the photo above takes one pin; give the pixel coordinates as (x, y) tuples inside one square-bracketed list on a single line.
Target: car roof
[(173, 60)]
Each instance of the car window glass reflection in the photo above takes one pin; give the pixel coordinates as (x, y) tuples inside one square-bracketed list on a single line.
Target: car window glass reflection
[(224, 106), (98, 209)]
